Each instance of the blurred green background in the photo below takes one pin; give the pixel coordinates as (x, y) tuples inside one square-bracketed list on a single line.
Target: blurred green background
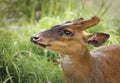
[(23, 62)]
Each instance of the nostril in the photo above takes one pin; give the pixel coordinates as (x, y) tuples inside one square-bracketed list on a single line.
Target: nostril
[(35, 39)]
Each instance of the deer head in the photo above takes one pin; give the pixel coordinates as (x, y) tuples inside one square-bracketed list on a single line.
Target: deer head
[(70, 36)]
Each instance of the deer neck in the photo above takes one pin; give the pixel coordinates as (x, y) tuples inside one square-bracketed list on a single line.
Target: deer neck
[(77, 66)]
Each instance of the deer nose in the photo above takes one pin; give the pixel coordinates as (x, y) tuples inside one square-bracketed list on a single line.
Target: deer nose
[(35, 38)]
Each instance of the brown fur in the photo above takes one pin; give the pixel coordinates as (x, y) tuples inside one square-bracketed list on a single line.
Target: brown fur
[(78, 64)]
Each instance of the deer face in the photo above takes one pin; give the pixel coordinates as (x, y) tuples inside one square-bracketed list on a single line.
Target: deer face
[(69, 37)]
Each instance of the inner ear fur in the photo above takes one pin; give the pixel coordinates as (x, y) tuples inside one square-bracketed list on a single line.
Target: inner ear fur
[(97, 39)]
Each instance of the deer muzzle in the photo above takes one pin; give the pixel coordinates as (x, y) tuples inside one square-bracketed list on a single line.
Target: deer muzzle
[(39, 40)]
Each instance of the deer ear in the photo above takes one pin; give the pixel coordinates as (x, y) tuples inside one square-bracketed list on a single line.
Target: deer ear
[(98, 39)]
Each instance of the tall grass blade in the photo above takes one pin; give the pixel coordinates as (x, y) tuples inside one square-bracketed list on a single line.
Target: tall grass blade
[(8, 73), (106, 9), (101, 7)]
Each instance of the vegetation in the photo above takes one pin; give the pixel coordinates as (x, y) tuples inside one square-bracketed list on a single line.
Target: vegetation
[(23, 62)]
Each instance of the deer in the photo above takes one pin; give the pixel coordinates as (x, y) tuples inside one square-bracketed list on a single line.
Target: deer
[(79, 65)]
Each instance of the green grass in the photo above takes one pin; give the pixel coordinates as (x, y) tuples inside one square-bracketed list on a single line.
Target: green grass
[(23, 62)]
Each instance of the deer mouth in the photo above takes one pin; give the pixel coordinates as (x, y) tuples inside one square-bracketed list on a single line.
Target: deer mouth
[(43, 45)]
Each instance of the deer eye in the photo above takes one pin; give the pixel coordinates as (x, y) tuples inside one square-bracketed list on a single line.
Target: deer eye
[(67, 33)]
